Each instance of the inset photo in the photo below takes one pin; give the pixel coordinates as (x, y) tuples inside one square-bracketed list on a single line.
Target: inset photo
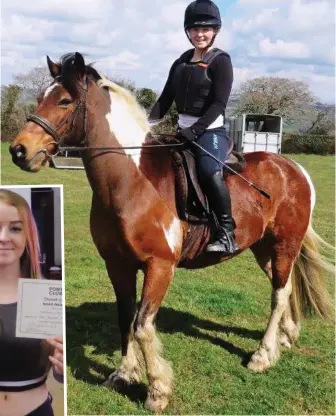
[(32, 329)]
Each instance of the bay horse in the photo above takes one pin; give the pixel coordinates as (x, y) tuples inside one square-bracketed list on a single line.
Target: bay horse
[(135, 224)]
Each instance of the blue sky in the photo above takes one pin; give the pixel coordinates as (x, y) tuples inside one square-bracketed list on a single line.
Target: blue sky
[(139, 39)]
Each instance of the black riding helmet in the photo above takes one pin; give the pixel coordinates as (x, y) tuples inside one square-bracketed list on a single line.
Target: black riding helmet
[(202, 13)]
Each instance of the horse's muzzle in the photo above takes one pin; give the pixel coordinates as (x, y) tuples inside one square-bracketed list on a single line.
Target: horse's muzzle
[(19, 157), (18, 153)]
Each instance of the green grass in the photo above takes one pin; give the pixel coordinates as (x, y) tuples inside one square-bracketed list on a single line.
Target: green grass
[(210, 322)]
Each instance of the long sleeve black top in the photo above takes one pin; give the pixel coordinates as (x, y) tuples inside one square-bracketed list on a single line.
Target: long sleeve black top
[(221, 73)]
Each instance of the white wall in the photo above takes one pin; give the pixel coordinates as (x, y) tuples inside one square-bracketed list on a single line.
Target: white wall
[(24, 192)]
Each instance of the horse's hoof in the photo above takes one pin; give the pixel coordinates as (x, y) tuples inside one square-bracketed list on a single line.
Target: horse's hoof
[(259, 362), (156, 404), (258, 366), (158, 395), (118, 380)]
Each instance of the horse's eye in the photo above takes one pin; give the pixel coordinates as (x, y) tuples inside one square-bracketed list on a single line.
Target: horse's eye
[(65, 102)]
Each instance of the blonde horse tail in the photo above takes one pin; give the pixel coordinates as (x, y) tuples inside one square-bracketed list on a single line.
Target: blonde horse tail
[(309, 292)]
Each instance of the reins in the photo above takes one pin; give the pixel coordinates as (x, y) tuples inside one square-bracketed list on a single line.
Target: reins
[(61, 149), (144, 146)]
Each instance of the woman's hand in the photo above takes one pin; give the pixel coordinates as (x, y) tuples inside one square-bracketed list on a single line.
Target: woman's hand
[(186, 134), (57, 358)]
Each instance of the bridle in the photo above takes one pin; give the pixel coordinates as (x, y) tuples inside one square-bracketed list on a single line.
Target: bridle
[(70, 121)]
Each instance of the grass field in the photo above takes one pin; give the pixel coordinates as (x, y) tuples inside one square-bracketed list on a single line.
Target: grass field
[(210, 323)]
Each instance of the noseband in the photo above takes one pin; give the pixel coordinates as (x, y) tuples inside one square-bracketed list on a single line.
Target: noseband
[(68, 121)]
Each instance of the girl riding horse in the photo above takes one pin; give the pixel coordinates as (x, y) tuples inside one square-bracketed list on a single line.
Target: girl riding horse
[(135, 225), (200, 83)]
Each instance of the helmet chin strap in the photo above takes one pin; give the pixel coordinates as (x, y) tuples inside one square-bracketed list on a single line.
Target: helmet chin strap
[(187, 33), (213, 39)]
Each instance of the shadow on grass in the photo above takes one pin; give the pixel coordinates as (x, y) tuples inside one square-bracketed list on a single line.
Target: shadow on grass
[(96, 324)]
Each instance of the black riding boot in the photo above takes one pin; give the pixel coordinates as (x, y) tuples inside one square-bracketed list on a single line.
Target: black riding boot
[(220, 201)]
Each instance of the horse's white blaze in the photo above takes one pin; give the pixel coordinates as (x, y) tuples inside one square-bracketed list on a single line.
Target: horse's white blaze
[(50, 88), (125, 127), (174, 234), (311, 186)]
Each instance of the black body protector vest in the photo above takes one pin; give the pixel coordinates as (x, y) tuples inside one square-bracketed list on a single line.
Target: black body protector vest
[(191, 82)]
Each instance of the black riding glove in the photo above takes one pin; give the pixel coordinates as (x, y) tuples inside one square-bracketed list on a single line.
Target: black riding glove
[(186, 134)]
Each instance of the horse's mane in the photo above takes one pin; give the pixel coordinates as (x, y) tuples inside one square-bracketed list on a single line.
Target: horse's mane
[(70, 80), (135, 109)]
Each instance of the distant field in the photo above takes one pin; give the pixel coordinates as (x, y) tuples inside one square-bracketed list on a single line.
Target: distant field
[(210, 322)]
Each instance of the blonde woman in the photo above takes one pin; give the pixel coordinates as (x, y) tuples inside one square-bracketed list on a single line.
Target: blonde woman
[(24, 362)]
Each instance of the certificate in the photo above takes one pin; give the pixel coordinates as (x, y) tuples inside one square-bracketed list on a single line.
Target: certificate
[(39, 308)]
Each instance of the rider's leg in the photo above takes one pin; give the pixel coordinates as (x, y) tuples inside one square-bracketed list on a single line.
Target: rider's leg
[(210, 172), (220, 198)]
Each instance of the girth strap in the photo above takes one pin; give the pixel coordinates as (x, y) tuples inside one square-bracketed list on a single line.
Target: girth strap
[(43, 122)]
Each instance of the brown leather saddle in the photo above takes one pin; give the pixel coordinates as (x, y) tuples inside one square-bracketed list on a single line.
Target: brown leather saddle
[(191, 201)]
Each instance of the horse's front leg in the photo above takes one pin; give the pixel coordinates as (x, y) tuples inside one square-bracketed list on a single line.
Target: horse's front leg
[(123, 278), (158, 275)]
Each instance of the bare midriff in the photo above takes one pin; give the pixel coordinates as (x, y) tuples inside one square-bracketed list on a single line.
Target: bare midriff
[(22, 402)]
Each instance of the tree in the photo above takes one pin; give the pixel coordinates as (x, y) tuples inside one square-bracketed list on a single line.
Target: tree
[(146, 98), (168, 124), (33, 83), (11, 114), (324, 121), (288, 98)]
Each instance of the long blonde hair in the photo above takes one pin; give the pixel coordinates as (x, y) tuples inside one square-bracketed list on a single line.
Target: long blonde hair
[(30, 265)]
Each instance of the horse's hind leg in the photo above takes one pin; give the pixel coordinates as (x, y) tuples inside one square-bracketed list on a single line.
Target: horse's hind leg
[(158, 275), (282, 261), (262, 251), (123, 278), (289, 330)]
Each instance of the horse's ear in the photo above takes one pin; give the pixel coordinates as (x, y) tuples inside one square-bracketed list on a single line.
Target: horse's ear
[(54, 69), (79, 64)]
